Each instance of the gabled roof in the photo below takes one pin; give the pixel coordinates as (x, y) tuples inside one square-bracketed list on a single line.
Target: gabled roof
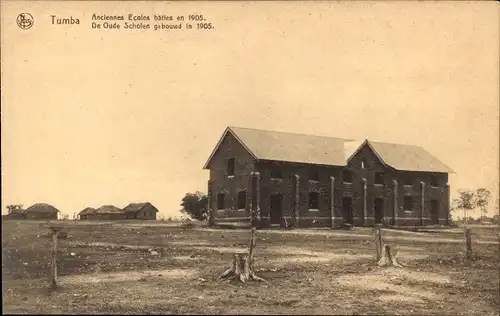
[(322, 150), (289, 147), (42, 208), (411, 158), (108, 209), (87, 210), (136, 207)]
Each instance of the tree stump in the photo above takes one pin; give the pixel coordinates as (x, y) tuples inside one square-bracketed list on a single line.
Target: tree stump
[(242, 266), (387, 259)]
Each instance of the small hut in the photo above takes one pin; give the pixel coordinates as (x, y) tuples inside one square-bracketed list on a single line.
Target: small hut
[(16, 214), (86, 213), (108, 212), (144, 211), (41, 211)]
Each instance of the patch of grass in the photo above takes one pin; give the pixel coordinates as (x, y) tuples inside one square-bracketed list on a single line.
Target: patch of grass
[(298, 286)]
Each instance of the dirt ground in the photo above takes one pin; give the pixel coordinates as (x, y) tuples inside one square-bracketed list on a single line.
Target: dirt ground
[(133, 268)]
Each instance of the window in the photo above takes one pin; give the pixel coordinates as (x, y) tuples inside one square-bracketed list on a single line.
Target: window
[(347, 176), (408, 203), (313, 201), (313, 175), (230, 167), (220, 201), (379, 178), (434, 181), (242, 200), (276, 172), (407, 179), (364, 165)]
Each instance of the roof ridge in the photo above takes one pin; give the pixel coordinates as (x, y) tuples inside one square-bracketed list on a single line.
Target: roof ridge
[(291, 133), (361, 139), (391, 143)]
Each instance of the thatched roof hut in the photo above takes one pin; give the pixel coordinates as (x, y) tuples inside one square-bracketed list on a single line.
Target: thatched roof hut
[(41, 211)]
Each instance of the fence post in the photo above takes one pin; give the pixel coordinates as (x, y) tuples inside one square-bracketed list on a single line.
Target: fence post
[(468, 243), (55, 234), (378, 242)]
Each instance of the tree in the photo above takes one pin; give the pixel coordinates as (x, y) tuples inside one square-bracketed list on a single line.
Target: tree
[(465, 201), (482, 199), (195, 205), (14, 207)]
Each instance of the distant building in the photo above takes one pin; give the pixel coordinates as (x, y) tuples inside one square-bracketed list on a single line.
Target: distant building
[(41, 211), (297, 180), (107, 212), (144, 211), (496, 219), (86, 213), (15, 214)]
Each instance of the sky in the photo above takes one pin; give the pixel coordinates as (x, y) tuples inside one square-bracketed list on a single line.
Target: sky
[(93, 117)]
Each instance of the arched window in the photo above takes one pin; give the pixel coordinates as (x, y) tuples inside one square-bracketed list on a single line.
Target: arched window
[(313, 200), (230, 167), (364, 164), (220, 201), (242, 200), (347, 176), (313, 175)]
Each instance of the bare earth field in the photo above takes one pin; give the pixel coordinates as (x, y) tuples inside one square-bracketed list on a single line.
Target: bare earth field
[(137, 268)]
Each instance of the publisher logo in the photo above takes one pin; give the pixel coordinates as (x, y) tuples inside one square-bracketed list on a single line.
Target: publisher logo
[(25, 21)]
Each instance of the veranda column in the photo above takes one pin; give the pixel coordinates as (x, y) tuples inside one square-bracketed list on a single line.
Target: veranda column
[(395, 203), (446, 205), (422, 209), (365, 189), (255, 204), (209, 204), (297, 202), (257, 176), (332, 200), (252, 198)]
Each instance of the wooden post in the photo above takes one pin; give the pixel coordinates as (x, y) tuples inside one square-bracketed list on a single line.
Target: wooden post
[(378, 242), (55, 234), (251, 248), (468, 243)]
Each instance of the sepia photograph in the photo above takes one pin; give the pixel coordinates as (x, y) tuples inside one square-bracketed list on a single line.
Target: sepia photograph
[(250, 157)]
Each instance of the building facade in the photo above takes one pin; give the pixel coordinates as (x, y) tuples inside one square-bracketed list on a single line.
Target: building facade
[(293, 180)]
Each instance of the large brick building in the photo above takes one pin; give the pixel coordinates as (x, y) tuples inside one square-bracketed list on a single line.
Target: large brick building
[(314, 181)]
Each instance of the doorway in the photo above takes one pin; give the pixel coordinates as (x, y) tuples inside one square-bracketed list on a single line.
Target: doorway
[(435, 212), (378, 209), (276, 209), (347, 210)]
